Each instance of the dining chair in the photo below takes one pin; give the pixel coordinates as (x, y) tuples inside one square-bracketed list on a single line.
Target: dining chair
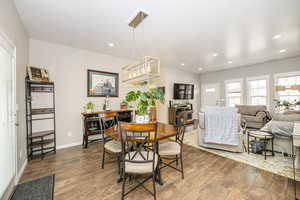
[(109, 123), (140, 160), (172, 150)]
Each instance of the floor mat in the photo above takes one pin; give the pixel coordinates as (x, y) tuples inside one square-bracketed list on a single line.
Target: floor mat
[(39, 189)]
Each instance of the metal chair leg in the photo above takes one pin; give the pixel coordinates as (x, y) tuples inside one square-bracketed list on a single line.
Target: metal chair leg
[(123, 186), (272, 147), (158, 174), (119, 163), (248, 145), (154, 188), (265, 148), (176, 160), (182, 174), (103, 158)]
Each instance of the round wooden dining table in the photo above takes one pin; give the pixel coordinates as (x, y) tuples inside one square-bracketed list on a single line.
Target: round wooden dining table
[(164, 131)]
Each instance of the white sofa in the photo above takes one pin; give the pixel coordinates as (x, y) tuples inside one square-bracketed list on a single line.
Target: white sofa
[(232, 148)]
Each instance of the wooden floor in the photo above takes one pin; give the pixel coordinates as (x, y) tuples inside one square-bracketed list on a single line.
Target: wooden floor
[(207, 176)]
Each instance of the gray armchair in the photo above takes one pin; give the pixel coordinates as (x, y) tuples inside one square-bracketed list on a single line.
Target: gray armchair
[(255, 116)]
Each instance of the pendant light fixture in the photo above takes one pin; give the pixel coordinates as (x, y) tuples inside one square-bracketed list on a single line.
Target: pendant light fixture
[(147, 70)]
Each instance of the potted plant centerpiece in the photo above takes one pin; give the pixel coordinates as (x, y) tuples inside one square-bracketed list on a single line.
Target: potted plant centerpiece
[(142, 101)]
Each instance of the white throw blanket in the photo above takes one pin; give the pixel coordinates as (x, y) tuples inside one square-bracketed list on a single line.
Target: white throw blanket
[(221, 125)]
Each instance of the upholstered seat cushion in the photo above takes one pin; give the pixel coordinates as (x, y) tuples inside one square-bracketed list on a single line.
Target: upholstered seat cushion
[(169, 148), (113, 146), (140, 168)]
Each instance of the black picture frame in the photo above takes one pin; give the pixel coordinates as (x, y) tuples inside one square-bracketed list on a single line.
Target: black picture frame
[(102, 84)]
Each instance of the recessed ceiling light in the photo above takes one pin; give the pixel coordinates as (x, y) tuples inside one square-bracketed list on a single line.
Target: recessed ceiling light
[(200, 69), (276, 37), (182, 64), (111, 44), (215, 55), (282, 50), (229, 62)]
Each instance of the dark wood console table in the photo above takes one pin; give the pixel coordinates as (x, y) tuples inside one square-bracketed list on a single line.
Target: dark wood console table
[(91, 123)]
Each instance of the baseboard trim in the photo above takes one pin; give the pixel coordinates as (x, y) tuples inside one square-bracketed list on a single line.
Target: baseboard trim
[(68, 145), (9, 191), (20, 172)]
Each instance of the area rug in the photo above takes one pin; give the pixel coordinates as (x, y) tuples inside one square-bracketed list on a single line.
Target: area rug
[(39, 189), (278, 164)]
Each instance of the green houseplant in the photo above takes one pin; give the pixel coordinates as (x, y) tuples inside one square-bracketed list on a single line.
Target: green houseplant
[(90, 107), (142, 101)]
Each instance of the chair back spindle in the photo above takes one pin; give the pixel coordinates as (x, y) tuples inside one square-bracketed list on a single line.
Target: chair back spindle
[(108, 122)]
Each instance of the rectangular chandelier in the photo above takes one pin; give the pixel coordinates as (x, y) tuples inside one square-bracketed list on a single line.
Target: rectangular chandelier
[(144, 72)]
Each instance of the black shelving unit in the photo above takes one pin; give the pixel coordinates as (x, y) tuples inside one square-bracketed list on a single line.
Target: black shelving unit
[(42, 142)]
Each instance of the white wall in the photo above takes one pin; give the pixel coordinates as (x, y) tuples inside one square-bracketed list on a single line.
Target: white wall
[(267, 68), (68, 69), (12, 27)]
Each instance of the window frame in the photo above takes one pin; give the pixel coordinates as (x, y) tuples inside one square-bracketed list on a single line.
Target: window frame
[(240, 80), (256, 78), (283, 75)]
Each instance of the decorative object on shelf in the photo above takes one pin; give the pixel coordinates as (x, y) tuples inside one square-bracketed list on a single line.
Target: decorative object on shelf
[(285, 105), (145, 70), (89, 107), (38, 74), (102, 84), (123, 105), (142, 101), (42, 142), (106, 105)]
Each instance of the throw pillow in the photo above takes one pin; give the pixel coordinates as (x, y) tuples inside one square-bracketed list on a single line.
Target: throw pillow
[(279, 128)]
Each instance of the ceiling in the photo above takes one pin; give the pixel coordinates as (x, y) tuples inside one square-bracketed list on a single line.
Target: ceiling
[(184, 34)]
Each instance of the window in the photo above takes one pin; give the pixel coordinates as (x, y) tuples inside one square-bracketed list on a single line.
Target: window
[(258, 93), (288, 86), (233, 92)]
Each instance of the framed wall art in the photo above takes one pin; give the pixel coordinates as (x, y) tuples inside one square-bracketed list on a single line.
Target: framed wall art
[(102, 84)]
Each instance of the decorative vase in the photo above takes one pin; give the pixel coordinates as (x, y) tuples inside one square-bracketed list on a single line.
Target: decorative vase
[(153, 113)]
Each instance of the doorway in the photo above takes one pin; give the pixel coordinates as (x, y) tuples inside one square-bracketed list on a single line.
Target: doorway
[(210, 94), (7, 115)]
